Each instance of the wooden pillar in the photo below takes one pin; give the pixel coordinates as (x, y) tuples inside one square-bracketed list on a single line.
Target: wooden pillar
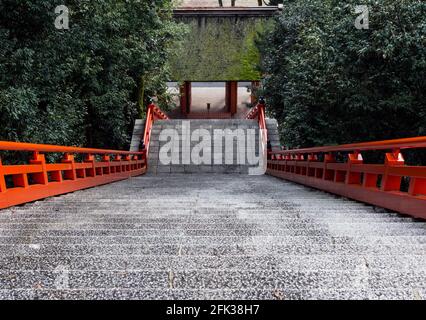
[(185, 97), (231, 97), (227, 95), (182, 98)]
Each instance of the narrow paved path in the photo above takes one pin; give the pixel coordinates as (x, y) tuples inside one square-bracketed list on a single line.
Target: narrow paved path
[(209, 236)]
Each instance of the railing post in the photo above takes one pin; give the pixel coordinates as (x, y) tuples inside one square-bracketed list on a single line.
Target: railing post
[(2, 179), (99, 171), (106, 158), (392, 183), (69, 174), (298, 158), (144, 158), (91, 172), (134, 165), (287, 158), (310, 172), (117, 158), (328, 174), (40, 178), (340, 175), (354, 177), (126, 165)]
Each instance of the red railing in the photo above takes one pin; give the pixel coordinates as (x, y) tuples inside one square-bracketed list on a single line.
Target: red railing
[(39, 179), (258, 112), (376, 184), (154, 113)]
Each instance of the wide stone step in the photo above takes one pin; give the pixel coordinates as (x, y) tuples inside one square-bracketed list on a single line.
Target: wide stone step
[(293, 248), (215, 294), (206, 279), (191, 239), (202, 225), (79, 215), (199, 262), (93, 215), (45, 220), (225, 232)]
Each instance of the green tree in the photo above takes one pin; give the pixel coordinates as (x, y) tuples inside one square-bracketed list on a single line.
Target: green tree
[(81, 86), (328, 82)]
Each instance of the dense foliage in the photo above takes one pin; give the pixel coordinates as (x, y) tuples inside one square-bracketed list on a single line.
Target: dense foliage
[(219, 49), (81, 86), (328, 82)]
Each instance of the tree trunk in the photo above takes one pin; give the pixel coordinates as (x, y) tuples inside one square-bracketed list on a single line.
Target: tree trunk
[(141, 102)]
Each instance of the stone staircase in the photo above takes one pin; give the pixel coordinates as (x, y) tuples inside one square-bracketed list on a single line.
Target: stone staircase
[(208, 236), (273, 134), (198, 236), (220, 159), (273, 138), (137, 135)]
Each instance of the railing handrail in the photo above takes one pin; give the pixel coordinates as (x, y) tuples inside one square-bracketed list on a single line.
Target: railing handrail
[(259, 112), (253, 112), (34, 147), (153, 113), (395, 144), (262, 116), (158, 112)]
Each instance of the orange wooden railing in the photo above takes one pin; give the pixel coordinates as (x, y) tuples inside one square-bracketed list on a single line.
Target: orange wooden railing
[(154, 113), (39, 179), (376, 184), (258, 112)]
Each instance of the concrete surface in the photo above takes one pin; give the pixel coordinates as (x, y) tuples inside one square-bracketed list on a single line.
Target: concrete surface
[(211, 236)]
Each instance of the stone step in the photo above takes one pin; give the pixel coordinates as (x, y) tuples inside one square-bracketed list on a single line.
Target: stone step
[(202, 213), (212, 263), (16, 235), (273, 134), (137, 135), (207, 279), (215, 294), (45, 220), (292, 248), (200, 225), (195, 238)]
